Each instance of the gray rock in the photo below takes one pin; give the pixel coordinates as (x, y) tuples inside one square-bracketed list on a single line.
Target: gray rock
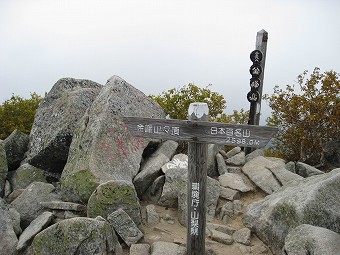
[(254, 154), (314, 200), (221, 165), (290, 166), (102, 148), (8, 189), (112, 195), (76, 236), (306, 170), (152, 216), (212, 169), (221, 228), (233, 181), (3, 169), (308, 239), (28, 203), (151, 168), (15, 216), (257, 170), (55, 122), (140, 249), (154, 192), (125, 227), (282, 174), (8, 238), (61, 205), (174, 172), (16, 146), (233, 152), (227, 212), (25, 175), (221, 237), (38, 224), (234, 169), (223, 153), (166, 248), (242, 236), (229, 194), (238, 160), (212, 195)]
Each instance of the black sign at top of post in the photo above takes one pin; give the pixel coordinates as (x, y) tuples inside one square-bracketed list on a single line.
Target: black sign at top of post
[(255, 70), (256, 56)]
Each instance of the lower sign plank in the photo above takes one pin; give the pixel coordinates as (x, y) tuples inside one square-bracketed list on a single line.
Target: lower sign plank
[(201, 131)]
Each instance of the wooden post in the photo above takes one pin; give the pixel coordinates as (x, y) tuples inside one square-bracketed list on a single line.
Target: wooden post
[(197, 179), (261, 45)]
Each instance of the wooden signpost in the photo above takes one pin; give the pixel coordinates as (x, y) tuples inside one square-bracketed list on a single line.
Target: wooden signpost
[(198, 132)]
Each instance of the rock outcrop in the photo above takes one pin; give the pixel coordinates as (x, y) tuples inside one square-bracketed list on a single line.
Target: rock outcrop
[(102, 148)]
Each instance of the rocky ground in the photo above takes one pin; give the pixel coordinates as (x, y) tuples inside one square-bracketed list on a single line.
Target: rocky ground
[(170, 230)]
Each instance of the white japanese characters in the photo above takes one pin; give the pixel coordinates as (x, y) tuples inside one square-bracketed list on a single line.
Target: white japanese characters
[(194, 215), (156, 129)]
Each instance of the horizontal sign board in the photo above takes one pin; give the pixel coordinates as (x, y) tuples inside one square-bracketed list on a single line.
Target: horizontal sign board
[(201, 131)]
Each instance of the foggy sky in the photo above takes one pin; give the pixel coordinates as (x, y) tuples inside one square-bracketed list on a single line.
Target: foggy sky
[(156, 45)]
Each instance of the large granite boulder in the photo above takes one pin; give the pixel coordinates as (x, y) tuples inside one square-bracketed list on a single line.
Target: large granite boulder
[(112, 195), (28, 203), (151, 167), (3, 169), (55, 122), (16, 146), (76, 236), (308, 239), (103, 149), (314, 200)]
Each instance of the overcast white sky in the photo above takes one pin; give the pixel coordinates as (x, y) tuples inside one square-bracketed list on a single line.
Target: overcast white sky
[(156, 45)]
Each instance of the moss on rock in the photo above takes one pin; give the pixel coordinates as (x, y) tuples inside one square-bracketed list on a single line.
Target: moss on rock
[(112, 195), (78, 186)]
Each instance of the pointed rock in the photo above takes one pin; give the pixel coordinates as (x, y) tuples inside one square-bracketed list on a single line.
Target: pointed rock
[(102, 148)]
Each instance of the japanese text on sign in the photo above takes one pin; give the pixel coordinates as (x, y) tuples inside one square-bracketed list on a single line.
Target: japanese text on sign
[(194, 215), (238, 132), (156, 129)]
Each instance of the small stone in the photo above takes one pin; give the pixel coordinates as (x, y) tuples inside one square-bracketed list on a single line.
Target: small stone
[(233, 152), (242, 236), (228, 193), (221, 237), (152, 216), (237, 160), (140, 249), (233, 181)]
